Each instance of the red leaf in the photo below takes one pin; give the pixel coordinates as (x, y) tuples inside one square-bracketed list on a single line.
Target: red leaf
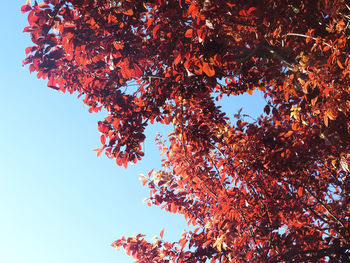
[(137, 71), (215, 171), (242, 12), (250, 10), (31, 68), (103, 139), (119, 161), (28, 50), (149, 21), (25, 8), (125, 162), (28, 29), (52, 84), (173, 208)]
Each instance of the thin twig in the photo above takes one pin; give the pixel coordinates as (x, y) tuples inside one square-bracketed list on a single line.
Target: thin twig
[(325, 207), (314, 38)]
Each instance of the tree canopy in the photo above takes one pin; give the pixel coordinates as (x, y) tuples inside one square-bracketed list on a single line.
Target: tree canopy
[(274, 189)]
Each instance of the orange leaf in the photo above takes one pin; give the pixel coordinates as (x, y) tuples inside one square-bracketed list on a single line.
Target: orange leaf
[(189, 33), (150, 21), (128, 12), (182, 243), (217, 60), (300, 191), (250, 91), (286, 95), (165, 149), (118, 46), (339, 64), (155, 31), (325, 119), (223, 177), (177, 59), (193, 10), (206, 243), (332, 113), (326, 48), (208, 69), (144, 181), (288, 134), (161, 233)]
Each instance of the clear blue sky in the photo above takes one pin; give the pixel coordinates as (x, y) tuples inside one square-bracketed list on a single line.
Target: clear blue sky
[(59, 203)]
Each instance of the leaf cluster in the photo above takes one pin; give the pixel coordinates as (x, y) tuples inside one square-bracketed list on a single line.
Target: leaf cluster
[(272, 190)]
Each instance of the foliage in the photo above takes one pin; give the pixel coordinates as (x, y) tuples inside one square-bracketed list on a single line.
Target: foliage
[(272, 190)]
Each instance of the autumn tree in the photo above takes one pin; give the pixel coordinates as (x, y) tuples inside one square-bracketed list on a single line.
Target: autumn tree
[(275, 189)]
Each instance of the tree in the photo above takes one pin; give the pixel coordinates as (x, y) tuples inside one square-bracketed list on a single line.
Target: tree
[(275, 189)]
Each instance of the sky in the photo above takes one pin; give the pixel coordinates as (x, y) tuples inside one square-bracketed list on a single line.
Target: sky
[(59, 203)]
